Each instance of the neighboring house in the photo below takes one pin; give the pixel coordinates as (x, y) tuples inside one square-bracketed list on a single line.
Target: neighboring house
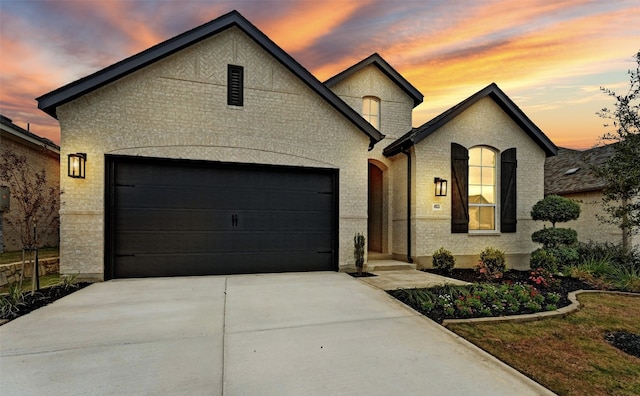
[(570, 174), (41, 154), (216, 152)]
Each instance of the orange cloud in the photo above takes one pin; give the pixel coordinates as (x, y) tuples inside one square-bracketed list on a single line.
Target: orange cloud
[(307, 21)]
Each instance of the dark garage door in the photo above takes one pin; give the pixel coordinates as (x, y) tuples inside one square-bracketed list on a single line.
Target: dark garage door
[(174, 218)]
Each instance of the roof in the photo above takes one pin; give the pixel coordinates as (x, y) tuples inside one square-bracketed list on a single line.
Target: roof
[(23, 134), (571, 171), (376, 60), (417, 134), (52, 100)]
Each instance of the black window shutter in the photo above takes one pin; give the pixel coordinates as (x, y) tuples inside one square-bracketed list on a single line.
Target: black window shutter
[(235, 85), (508, 196), (459, 189)]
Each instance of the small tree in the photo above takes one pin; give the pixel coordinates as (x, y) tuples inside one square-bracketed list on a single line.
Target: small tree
[(622, 171), (32, 202), (557, 243)]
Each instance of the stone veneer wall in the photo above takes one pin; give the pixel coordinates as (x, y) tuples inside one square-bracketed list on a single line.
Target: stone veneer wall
[(484, 123), (176, 108)]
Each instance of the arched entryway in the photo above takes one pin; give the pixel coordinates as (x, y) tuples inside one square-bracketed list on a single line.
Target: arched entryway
[(376, 225)]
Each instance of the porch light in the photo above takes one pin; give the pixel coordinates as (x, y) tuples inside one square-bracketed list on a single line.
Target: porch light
[(441, 187), (77, 167)]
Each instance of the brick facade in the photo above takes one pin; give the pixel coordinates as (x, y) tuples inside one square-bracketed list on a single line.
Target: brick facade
[(484, 123), (176, 108)]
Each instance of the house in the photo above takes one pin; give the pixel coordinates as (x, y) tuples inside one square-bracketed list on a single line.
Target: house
[(41, 154), (216, 152), (570, 174)]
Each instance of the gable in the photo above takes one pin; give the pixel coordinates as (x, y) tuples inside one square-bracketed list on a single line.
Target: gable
[(379, 63), (50, 102), (491, 92)]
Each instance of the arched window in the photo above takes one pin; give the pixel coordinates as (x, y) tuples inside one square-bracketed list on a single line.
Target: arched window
[(371, 110), (482, 189)]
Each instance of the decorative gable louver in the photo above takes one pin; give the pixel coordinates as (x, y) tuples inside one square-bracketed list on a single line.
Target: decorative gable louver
[(235, 85)]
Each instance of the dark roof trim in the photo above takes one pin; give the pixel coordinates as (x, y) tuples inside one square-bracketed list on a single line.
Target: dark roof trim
[(50, 101), (492, 90), (28, 136), (386, 68)]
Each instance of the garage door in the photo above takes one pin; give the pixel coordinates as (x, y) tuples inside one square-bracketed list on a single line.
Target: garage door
[(175, 218)]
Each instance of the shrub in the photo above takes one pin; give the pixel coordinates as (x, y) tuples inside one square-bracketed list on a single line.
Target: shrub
[(443, 260), (492, 263), (555, 209), (553, 237), (358, 251), (542, 258), (566, 256), (610, 251)]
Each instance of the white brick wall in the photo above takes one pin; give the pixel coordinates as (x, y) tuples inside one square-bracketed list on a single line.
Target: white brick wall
[(176, 108), (482, 124)]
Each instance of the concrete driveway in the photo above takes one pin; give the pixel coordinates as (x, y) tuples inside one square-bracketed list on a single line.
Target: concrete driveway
[(273, 334)]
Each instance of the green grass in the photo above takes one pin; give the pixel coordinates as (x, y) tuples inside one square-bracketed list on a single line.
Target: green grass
[(568, 355), (12, 257), (45, 281)]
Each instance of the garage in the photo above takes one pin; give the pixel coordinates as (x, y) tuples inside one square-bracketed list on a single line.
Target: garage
[(179, 218)]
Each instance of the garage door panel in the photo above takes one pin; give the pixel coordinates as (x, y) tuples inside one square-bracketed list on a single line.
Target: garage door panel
[(132, 243), (142, 197), (231, 218), (213, 220), (216, 264)]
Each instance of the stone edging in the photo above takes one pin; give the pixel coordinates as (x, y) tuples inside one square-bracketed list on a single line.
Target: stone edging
[(562, 312)]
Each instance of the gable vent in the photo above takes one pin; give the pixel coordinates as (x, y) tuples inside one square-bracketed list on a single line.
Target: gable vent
[(235, 79)]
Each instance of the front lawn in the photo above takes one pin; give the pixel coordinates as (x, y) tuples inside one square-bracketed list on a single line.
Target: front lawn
[(571, 355)]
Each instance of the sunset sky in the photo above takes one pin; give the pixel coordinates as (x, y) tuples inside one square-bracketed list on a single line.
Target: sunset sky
[(551, 57)]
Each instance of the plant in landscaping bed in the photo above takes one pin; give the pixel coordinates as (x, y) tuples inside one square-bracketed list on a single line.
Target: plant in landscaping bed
[(358, 251), (557, 243), (477, 300), (626, 278), (543, 278), (12, 302), (443, 260), (492, 263)]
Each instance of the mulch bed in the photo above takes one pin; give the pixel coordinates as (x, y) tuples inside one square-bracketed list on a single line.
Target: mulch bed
[(44, 297), (626, 342)]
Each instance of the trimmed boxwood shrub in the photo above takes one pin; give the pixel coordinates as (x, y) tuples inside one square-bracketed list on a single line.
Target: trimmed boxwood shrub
[(542, 258), (443, 260), (553, 237)]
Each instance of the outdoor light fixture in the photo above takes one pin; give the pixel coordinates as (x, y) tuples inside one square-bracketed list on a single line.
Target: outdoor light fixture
[(77, 163), (441, 187)]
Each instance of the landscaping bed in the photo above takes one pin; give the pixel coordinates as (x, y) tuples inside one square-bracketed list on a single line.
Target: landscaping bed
[(18, 303), (514, 294)]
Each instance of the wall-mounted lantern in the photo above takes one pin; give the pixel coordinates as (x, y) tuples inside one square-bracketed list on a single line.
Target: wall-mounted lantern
[(441, 187), (77, 165)]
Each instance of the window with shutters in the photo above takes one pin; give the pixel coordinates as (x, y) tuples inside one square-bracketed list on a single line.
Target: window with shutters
[(371, 110), (482, 189), (475, 187), (235, 85)]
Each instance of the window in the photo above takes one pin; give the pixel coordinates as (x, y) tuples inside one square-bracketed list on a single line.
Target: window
[(235, 85), (371, 110), (482, 189), (474, 189)]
